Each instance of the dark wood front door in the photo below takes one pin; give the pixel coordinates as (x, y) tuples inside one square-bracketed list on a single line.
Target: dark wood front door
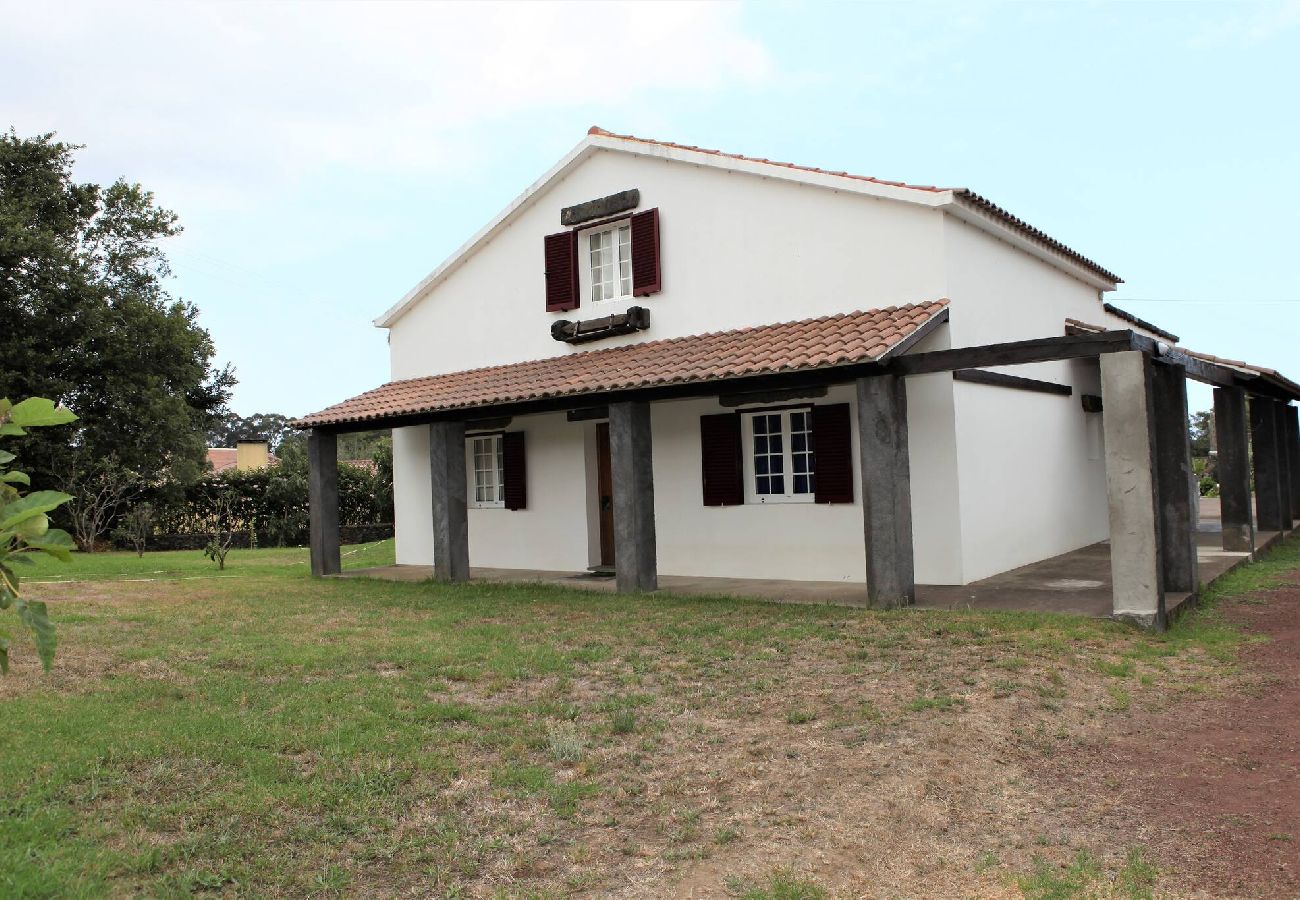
[(605, 492)]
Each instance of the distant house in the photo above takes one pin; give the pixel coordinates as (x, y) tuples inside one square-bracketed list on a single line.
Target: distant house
[(674, 360), (244, 456)]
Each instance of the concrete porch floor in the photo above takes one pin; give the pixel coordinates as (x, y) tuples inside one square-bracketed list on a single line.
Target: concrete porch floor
[(1077, 582)]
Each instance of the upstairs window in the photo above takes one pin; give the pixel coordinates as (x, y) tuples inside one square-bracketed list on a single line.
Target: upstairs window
[(608, 267), (779, 462)]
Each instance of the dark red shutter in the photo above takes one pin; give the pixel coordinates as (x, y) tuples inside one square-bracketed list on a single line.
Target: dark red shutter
[(724, 474), (561, 252), (647, 273), (833, 452), (515, 470)]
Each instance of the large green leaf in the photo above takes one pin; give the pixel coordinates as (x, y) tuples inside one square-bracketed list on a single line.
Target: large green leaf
[(56, 542), (6, 457), (16, 478), (34, 504), (10, 429), (35, 412), (35, 616), (31, 528)]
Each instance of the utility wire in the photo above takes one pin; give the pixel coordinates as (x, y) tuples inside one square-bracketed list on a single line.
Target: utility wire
[(1176, 300)]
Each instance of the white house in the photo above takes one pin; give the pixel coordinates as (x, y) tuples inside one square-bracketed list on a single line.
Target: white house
[(671, 360)]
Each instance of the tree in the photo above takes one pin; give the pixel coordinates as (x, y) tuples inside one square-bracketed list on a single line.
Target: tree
[(224, 534), (230, 428), (99, 491), (25, 525), (1201, 427), (88, 323), (136, 527)]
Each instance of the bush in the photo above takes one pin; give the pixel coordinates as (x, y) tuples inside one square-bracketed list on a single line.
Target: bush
[(270, 503)]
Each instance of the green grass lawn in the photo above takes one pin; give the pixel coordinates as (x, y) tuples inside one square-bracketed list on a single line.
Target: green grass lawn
[(272, 561), (262, 733)]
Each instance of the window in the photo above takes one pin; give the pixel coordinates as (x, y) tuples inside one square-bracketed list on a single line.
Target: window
[(779, 463), (607, 262), (486, 464)]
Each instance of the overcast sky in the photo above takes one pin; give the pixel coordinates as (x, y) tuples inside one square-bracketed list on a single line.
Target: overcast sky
[(325, 157)]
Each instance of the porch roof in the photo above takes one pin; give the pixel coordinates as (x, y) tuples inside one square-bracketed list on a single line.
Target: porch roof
[(803, 346), (1249, 373)]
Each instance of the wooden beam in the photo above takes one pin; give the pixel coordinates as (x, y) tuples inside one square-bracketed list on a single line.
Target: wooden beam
[(1015, 382), (323, 502), (448, 488), (1014, 353), (1233, 463), (1264, 447), (632, 467), (1286, 477), (1176, 481), (1293, 449), (886, 491)]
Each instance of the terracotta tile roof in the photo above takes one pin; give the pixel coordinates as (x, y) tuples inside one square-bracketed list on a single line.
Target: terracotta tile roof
[(821, 343), (222, 458), (964, 195)]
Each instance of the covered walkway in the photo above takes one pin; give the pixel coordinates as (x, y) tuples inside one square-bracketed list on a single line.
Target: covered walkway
[(1077, 583)]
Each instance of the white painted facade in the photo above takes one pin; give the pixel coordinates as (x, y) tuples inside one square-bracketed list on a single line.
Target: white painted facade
[(1000, 478)]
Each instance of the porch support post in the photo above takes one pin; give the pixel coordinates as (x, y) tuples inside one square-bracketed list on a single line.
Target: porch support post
[(1264, 447), (323, 501), (886, 490), (1287, 476), (1293, 451), (447, 478), (632, 467), (1174, 477), (1233, 438), (1132, 488)]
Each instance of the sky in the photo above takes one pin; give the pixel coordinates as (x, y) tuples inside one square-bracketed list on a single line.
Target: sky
[(325, 157)]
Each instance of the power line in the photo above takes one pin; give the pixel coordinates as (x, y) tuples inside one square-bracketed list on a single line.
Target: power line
[(1177, 300)]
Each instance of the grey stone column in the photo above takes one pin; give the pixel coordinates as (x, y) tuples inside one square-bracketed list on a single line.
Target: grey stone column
[(1128, 420), (1293, 451), (323, 501), (886, 490), (1233, 437), (1175, 479), (631, 461), (1287, 476), (448, 478), (1265, 448)]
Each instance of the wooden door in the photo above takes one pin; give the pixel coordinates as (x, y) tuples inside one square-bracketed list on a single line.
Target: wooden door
[(605, 492)]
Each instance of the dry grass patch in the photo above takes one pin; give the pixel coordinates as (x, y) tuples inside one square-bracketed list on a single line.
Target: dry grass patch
[(285, 736)]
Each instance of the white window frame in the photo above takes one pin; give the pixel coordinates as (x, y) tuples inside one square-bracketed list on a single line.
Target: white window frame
[(584, 261), (496, 447), (747, 438)]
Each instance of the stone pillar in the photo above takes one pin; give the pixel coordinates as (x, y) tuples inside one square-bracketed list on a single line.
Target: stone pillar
[(1233, 438), (1174, 478), (323, 501), (1293, 451), (1287, 476), (1264, 447), (632, 469), (447, 478), (1128, 419), (886, 490)]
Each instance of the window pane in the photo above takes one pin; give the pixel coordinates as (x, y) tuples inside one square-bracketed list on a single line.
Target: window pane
[(801, 484), (778, 485)]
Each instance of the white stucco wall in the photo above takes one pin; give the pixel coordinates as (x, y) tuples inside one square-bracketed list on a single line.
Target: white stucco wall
[(1000, 478), (799, 541), (1029, 486), (737, 250)]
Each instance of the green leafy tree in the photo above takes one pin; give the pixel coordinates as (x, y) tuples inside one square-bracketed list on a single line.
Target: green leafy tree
[(1201, 427), (25, 525), (88, 322), (231, 428)]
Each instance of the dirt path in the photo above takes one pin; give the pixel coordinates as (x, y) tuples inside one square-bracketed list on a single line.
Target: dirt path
[(1211, 788)]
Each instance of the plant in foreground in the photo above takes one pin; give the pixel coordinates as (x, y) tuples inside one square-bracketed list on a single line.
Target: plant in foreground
[(25, 525)]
